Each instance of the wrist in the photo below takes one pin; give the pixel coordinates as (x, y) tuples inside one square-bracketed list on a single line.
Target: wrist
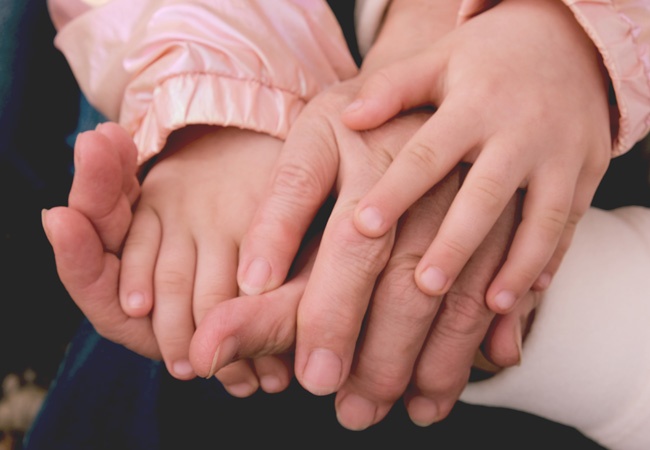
[(409, 27)]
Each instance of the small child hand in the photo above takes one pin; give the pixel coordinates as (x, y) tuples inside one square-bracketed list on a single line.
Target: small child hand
[(519, 93), (180, 256)]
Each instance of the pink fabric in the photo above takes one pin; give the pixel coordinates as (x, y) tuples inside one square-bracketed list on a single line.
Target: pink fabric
[(620, 29), (158, 65)]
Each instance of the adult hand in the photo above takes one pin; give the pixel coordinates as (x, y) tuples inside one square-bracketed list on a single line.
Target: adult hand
[(87, 235)]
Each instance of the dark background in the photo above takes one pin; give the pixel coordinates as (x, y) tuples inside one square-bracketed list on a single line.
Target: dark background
[(39, 107)]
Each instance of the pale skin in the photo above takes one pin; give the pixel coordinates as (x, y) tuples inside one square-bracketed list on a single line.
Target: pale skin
[(461, 328), (86, 256), (314, 164), (520, 93)]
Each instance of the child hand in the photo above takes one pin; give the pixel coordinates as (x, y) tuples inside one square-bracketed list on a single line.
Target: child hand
[(180, 256), (519, 92)]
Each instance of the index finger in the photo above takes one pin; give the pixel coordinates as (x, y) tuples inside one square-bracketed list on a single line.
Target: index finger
[(302, 180)]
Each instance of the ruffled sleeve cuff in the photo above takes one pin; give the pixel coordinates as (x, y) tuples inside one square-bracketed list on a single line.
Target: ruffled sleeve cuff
[(159, 65), (621, 32)]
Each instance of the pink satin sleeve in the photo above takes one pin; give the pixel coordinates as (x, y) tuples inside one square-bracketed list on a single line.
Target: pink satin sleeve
[(620, 29), (158, 65)]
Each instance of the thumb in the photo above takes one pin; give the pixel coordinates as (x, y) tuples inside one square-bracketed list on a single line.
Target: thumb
[(400, 86), (251, 326)]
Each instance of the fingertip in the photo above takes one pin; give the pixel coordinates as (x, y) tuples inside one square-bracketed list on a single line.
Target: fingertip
[(255, 277), (432, 281), (370, 222), (503, 302), (181, 369), (136, 304)]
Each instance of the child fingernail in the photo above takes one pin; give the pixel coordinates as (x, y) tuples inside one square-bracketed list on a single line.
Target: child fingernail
[(256, 277), (433, 280), (135, 300), (505, 300), (371, 219), (182, 369)]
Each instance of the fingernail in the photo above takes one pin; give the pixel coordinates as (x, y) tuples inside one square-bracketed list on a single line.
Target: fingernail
[(433, 280), (505, 300), (224, 354), (135, 300), (543, 282), (355, 105), (371, 218), (323, 372), (44, 219), (182, 368), (271, 384), (241, 390), (256, 277), (355, 412), (423, 411)]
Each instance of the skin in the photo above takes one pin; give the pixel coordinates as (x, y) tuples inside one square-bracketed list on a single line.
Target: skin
[(537, 118), (313, 166), (86, 248)]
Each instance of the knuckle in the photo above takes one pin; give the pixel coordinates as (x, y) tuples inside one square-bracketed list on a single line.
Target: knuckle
[(444, 384), (385, 381), (368, 256), (455, 249), (465, 316), (293, 182), (172, 282), (486, 191), (422, 156), (381, 81), (552, 220), (398, 285)]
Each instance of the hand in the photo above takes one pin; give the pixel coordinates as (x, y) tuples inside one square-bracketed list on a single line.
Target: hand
[(322, 156), (87, 235), (520, 93), (180, 256)]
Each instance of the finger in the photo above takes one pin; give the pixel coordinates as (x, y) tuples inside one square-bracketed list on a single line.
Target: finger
[(239, 378), (546, 208), (330, 314), (251, 326), (503, 343), (301, 181), (391, 89), (487, 189), (138, 263), (125, 147), (425, 159), (463, 320), (91, 277), (96, 189), (398, 320), (585, 190), (172, 317), (274, 372), (215, 279)]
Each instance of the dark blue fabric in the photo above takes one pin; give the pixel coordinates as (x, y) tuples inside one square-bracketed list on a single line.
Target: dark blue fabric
[(104, 397)]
